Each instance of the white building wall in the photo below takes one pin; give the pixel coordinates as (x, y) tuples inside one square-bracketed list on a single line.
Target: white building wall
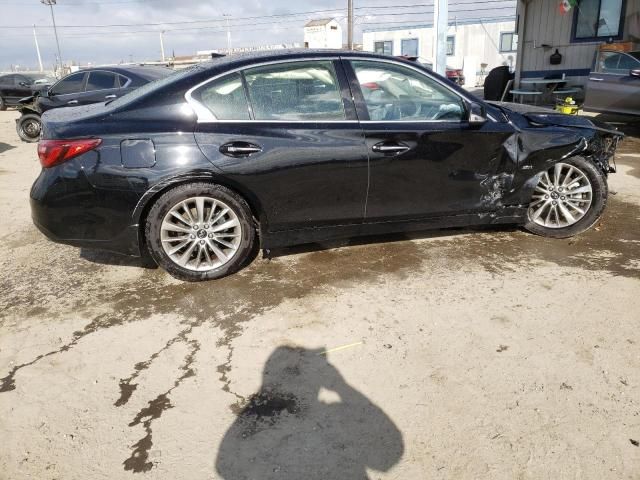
[(323, 36), (475, 44)]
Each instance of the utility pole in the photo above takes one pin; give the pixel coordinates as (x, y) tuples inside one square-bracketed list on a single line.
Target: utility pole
[(226, 17), (51, 3), (350, 24), (162, 44), (440, 27), (35, 37)]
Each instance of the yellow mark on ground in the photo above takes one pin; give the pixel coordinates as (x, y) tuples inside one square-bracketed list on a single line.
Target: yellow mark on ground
[(343, 347)]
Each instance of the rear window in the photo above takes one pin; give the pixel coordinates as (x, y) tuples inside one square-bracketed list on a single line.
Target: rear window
[(151, 87)]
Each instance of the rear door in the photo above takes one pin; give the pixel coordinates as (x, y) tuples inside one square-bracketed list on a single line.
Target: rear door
[(611, 87), (101, 86), (287, 132)]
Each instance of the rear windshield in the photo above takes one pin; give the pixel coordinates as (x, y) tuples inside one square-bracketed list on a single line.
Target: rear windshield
[(153, 86), (153, 73)]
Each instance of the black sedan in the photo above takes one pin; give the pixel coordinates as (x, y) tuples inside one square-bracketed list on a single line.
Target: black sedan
[(15, 86), (84, 87), (272, 149)]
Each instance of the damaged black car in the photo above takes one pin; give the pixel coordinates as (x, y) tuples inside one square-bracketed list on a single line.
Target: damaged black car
[(202, 168)]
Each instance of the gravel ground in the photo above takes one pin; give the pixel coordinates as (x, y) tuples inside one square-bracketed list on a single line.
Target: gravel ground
[(459, 354)]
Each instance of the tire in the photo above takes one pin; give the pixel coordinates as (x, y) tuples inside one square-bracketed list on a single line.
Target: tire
[(3, 104), (586, 214), (28, 127), (175, 231)]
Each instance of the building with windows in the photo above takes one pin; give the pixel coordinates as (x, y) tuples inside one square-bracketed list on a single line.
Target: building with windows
[(576, 31), (323, 33), (475, 46)]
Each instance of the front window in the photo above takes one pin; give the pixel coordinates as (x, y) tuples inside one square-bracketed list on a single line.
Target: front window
[(72, 84), (594, 19), (451, 45), (383, 48), (397, 93), (295, 91), (508, 42), (410, 47)]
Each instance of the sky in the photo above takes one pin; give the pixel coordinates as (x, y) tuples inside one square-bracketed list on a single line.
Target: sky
[(113, 31)]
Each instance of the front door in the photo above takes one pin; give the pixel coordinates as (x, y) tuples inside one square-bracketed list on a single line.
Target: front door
[(426, 160), (289, 133), (611, 87)]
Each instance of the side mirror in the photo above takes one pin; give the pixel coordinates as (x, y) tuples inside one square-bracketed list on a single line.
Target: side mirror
[(477, 114), (635, 72)]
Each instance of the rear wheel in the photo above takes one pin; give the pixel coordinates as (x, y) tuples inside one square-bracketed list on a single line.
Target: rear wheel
[(200, 231), (3, 104), (29, 127), (568, 199)]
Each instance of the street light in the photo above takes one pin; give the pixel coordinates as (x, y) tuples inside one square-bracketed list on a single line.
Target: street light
[(51, 3)]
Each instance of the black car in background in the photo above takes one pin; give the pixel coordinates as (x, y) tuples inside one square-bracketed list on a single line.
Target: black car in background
[(15, 86), (277, 148), (84, 87)]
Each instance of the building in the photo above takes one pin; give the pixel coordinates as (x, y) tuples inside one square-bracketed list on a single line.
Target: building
[(476, 46), (576, 34), (323, 33)]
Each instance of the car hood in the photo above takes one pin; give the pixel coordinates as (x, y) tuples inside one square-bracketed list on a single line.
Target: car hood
[(546, 116)]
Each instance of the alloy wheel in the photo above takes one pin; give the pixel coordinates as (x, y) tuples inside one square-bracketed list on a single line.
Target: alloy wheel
[(31, 128), (201, 233), (561, 198)]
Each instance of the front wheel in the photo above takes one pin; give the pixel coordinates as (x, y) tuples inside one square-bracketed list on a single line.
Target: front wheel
[(200, 231), (29, 127), (569, 199)]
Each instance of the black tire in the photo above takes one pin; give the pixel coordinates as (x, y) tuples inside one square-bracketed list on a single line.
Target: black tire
[(600, 192), (3, 104), (28, 127), (245, 250)]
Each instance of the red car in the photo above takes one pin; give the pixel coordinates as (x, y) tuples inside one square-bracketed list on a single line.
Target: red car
[(453, 74)]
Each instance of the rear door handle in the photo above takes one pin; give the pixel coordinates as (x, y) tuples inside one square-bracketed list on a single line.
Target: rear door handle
[(596, 79), (396, 148), (109, 97), (72, 102), (239, 149)]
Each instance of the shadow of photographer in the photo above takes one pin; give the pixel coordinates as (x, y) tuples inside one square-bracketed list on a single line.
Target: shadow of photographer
[(307, 422)]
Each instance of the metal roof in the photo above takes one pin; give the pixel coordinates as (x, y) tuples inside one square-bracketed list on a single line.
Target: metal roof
[(319, 22)]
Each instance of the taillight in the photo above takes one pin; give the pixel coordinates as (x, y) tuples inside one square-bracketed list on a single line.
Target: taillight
[(55, 152)]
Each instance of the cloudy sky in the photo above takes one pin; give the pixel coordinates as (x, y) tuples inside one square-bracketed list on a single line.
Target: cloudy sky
[(109, 31)]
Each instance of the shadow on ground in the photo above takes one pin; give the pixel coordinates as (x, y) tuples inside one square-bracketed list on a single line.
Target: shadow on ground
[(307, 422)]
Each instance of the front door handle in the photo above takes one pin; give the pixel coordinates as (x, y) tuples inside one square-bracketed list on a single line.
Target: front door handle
[(72, 102), (391, 148), (239, 149)]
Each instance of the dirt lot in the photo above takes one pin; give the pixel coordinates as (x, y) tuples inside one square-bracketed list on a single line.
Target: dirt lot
[(461, 354)]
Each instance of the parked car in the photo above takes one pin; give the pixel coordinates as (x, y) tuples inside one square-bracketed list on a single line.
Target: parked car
[(456, 75), (277, 148), (15, 86), (82, 88), (614, 84)]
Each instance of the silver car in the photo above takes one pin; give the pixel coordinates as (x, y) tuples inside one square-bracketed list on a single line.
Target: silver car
[(614, 85)]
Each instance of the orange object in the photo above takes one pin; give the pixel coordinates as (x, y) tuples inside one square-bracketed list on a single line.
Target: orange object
[(618, 47)]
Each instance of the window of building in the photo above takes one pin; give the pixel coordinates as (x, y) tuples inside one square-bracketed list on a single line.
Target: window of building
[(397, 93), (295, 91), (508, 42), (598, 19), (451, 45), (410, 47), (383, 48)]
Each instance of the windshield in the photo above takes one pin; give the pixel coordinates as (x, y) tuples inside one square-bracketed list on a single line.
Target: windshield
[(153, 86)]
